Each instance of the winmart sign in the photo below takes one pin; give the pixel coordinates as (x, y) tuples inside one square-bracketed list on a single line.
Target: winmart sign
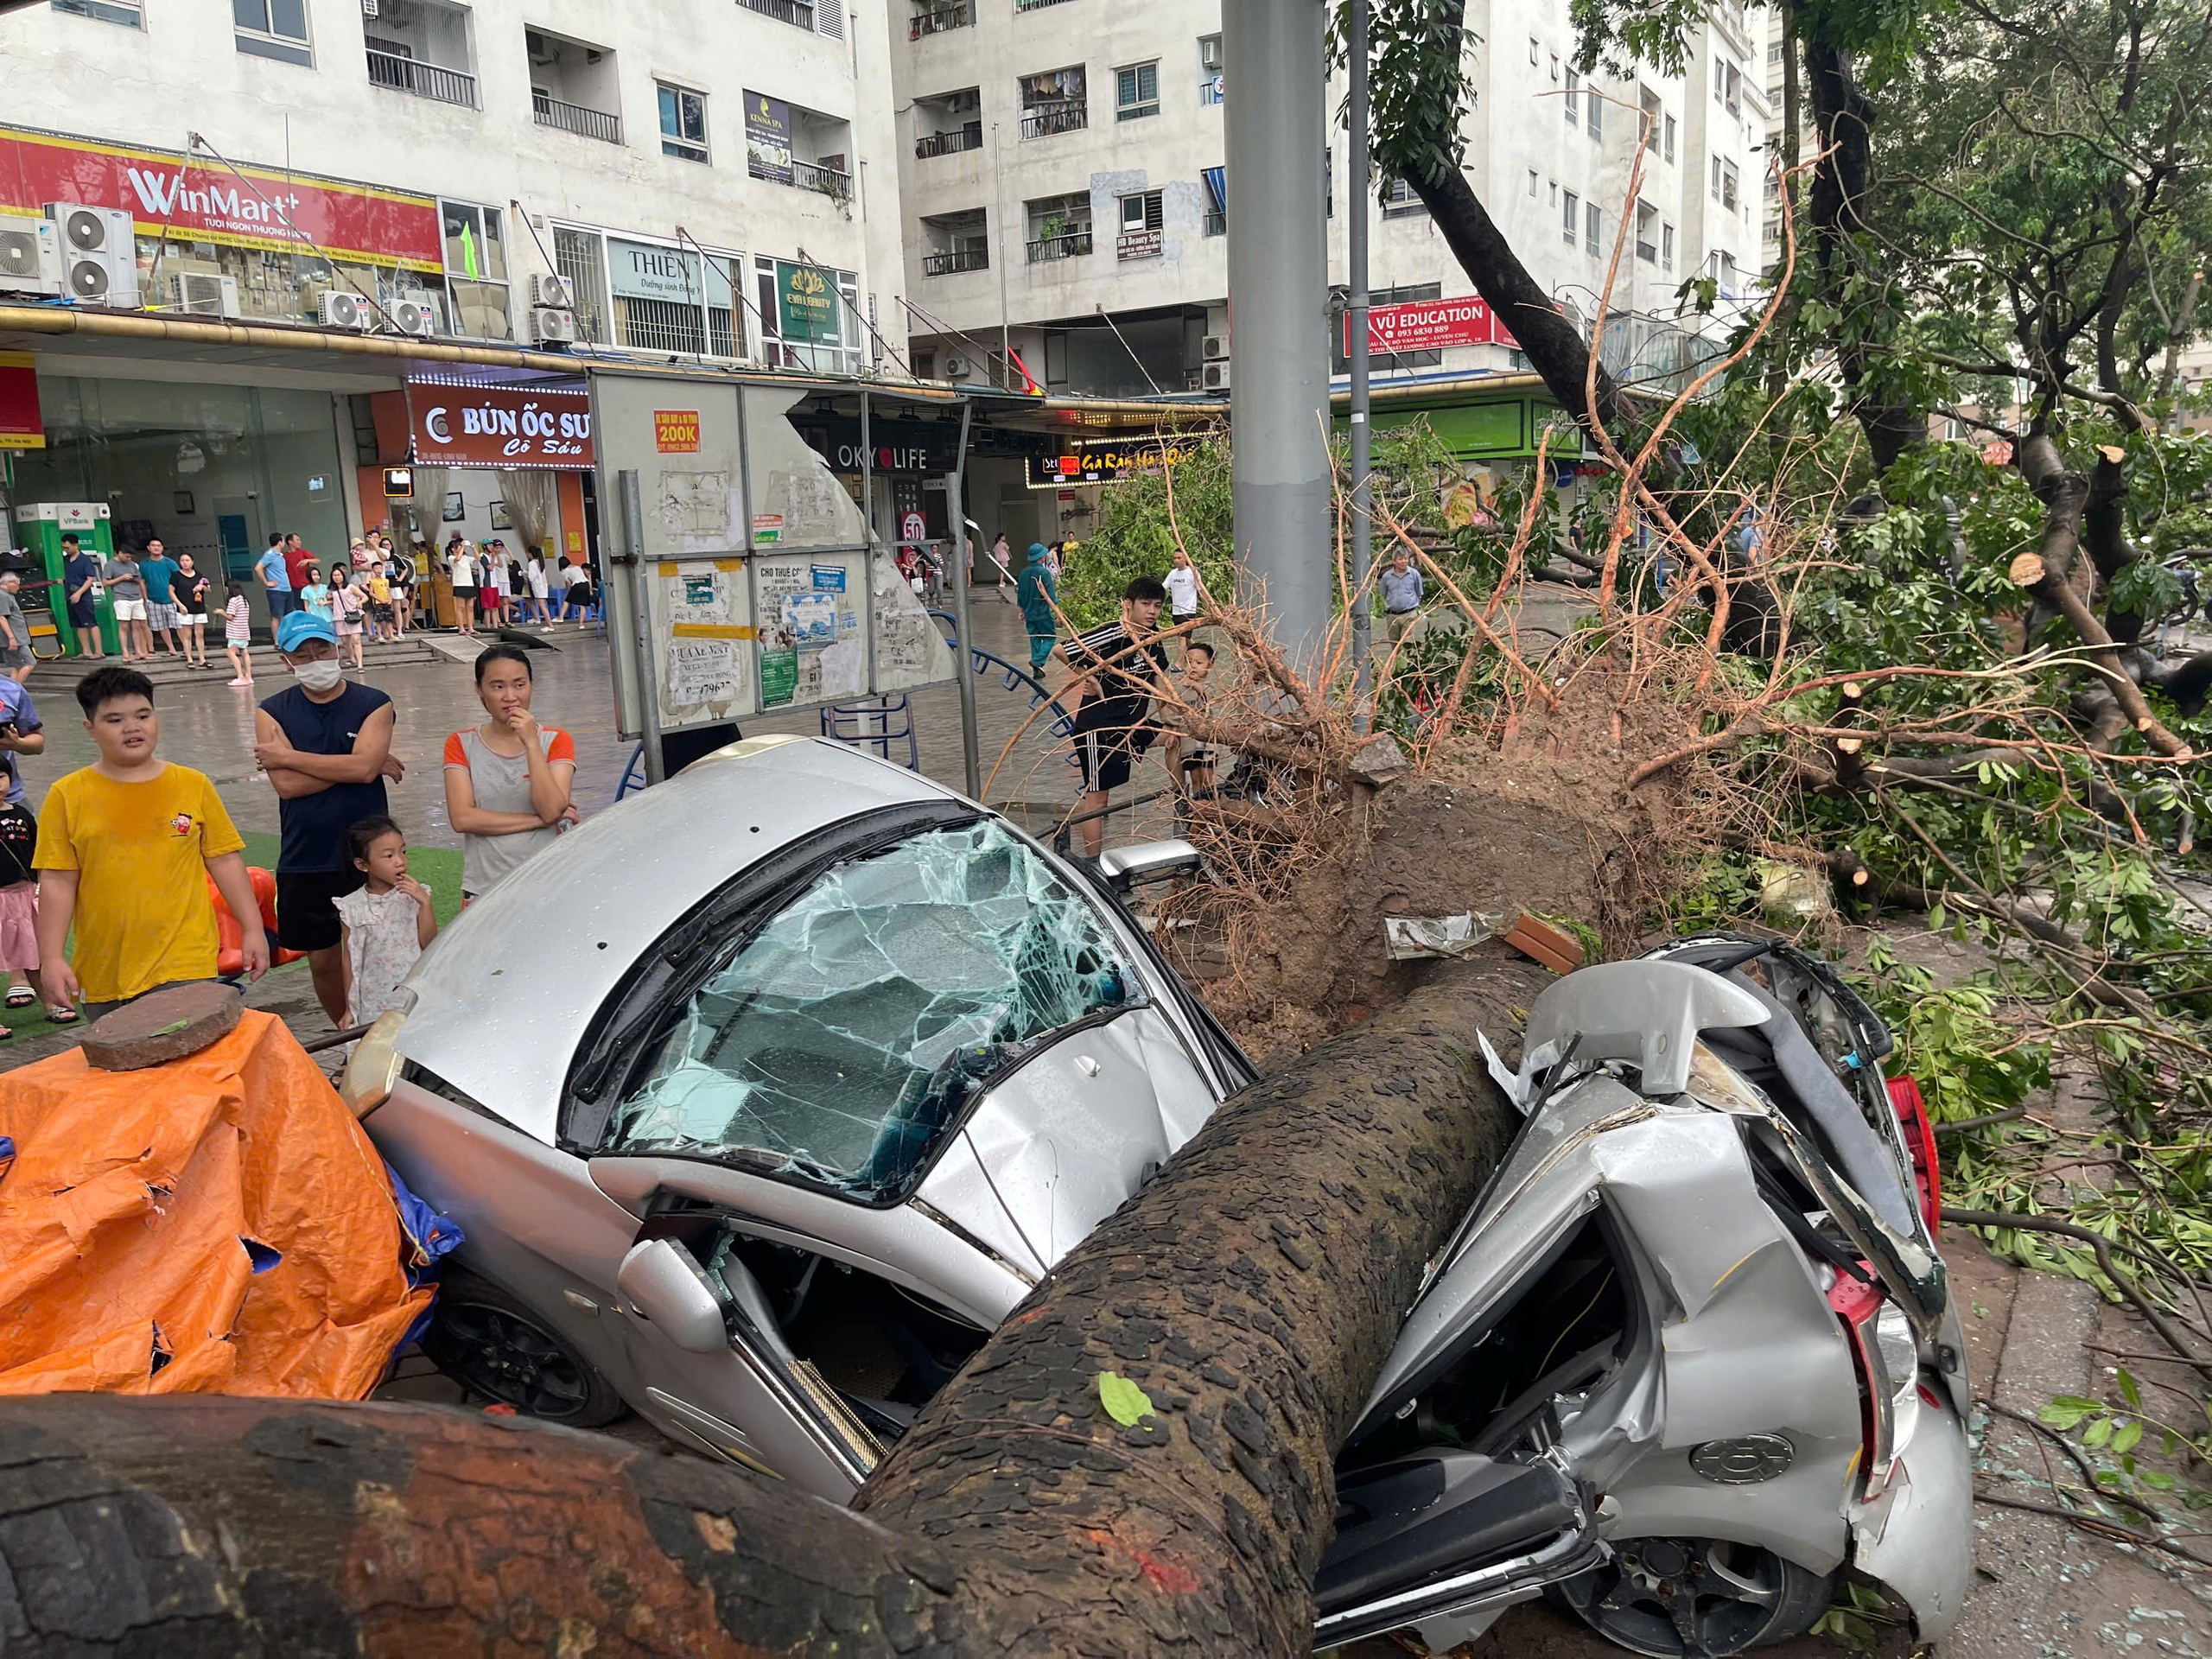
[(1431, 324)]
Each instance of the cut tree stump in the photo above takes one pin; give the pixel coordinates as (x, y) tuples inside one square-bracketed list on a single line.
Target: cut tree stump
[(162, 1026)]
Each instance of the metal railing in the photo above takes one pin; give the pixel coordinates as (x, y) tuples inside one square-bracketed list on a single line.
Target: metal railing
[(1034, 5), (937, 19), (955, 259), (1071, 244), (948, 143), (549, 111), (799, 13), (1216, 224), (838, 187), (1043, 120), (389, 69)]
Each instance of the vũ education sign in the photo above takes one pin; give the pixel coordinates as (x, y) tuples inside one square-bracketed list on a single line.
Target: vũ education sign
[(1431, 324)]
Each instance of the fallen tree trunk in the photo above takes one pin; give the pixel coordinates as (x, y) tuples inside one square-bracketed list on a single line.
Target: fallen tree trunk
[(1251, 1290)]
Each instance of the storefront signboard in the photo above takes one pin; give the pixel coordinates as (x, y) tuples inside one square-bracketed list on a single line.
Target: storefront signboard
[(1106, 461), (1431, 324), (902, 446), (676, 431), (197, 199), (21, 427), (457, 425), (637, 270), (767, 138), (806, 305)]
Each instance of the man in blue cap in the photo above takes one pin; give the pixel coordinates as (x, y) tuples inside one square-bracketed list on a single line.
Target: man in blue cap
[(326, 744)]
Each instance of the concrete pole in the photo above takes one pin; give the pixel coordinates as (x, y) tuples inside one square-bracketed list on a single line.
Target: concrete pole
[(1362, 527), (1278, 296)]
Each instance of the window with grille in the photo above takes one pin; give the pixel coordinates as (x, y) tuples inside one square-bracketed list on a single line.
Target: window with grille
[(1136, 91), (1142, 212), (662, 326), (580, 257), (683, 123)]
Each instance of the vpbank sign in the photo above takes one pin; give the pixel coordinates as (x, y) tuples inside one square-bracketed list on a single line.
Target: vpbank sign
[(196, 198)]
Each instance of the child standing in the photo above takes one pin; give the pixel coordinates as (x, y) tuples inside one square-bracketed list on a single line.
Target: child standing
[(385, 924), (238, 635), (121, 846), (1195, 769), (346, 605), (379, 602), (315, 596)]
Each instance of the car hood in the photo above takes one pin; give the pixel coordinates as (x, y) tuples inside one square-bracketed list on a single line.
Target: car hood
[(502, 995)]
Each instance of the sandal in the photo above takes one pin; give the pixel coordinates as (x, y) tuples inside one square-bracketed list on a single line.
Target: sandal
[(62, 1016), (20, 996)]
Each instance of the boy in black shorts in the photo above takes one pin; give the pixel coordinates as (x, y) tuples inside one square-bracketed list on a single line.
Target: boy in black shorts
[(1116, 669)]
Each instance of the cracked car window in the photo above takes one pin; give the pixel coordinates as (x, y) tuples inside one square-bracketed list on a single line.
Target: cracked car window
[(845, 1038)]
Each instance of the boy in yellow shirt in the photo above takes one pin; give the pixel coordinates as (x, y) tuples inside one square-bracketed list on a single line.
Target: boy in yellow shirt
[(121, 847)]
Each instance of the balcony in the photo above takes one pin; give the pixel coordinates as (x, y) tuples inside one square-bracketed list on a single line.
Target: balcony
[(1035, 5), (1070, 244), (549, 111), (402, 74), (948, 143), (955, 259), (797, 13), (829, 181), (938, 19), (1043, 120)]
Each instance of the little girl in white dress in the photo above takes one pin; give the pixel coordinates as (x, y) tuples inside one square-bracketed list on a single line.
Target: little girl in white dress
[(388, 921)]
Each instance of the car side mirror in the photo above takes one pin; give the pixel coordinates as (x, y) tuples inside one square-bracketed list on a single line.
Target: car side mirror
[(1124, 867), (660, 1281)]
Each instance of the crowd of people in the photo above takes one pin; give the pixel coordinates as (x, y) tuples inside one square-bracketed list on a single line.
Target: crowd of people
[(492, 584)]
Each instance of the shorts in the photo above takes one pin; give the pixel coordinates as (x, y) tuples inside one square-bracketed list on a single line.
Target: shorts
[(1108, 756), (15, 656), (82, 616), (160, 616), (464, 593), (380, 612), (349, 630), (237, 641), (282, 601), (192, 618), (131, 610), (306, 917)]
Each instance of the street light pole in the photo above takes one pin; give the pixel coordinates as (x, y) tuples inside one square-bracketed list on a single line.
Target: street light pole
[(1278, 294), (1363, 528)]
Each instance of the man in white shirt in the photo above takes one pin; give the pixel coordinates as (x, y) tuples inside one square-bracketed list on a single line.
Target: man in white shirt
[(1182, 589)]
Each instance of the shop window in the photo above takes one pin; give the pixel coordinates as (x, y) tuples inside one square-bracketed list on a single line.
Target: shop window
[(125, 12), (1136, 91), (273, 29), (476, 271), (683, 123)]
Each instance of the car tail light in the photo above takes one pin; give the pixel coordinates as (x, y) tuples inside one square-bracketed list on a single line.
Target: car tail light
[(1886, 1356), (1920, 1141)]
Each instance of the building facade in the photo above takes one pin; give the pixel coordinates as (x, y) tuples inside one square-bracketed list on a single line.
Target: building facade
[(1065, 202), (711, 180)]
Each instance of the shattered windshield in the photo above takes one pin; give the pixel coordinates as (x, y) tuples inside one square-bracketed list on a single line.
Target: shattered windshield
[(845, 1036)]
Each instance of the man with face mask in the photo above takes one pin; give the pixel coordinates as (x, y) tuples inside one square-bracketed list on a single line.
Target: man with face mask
[(326, 744)]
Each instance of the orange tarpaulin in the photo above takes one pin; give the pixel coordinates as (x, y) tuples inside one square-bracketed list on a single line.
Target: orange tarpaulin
[(217, 1225)]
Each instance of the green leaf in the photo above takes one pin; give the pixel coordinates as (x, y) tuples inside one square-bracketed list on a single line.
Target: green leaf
[(1125, 1403), (1936, 918), (2129, 1391), (2097, 1433), (2125, 1440), (2067, 1411)]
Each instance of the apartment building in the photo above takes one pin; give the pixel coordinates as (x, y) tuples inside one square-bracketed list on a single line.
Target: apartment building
[(1066, 202), (710, 178)]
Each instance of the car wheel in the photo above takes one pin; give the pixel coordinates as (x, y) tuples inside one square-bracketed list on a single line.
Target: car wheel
[(1689, 1598), (492, 1344)]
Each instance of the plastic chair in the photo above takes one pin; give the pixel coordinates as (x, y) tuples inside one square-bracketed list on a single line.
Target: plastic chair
[(875, 723), (633, 775)]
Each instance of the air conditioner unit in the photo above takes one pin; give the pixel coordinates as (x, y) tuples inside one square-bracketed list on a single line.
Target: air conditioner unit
[(30, 257), (335, 308), (1210, 55), (957, 368), (99, 255), (371, 8), (559, 292), (550, 326), (202, 295), (1216, 348), (1214, 376), (417, 316)]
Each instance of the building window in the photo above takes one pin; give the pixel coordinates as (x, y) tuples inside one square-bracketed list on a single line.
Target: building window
[(1533, 50), (1554, 68), (1774, 52), (1059, 227), (1724, 173), (1573, 100), (476, 271), (124, 12), (683, 123), (1596, 121), (1532, 184), (952, 242), (1401, 201), (1648, 119), (1571, 216), (1140, 221), (1666, 247), (1056, 101), (1136, 91), (798, 332), (1216, 179), (1591, 224), (580, 257), (1213, 71), (273, 29), (1731, 94), (1670, 139), (1647, 233)]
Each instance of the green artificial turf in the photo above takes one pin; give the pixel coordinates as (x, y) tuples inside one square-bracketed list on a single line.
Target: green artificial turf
[(437, 868)]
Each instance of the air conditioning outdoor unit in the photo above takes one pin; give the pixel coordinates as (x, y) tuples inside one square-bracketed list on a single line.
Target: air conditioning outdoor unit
[(551, 327), (1210, 55), (371, 8), (99, 256), (558, 292), (335, 308), (30, 257), (1216, 348), (957, 368), (202, 295), (1214, 376), (417, 315)]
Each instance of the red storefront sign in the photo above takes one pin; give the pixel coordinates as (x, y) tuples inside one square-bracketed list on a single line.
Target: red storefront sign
[(198, 199), (20, 426), (1430, 325), (457, 425)]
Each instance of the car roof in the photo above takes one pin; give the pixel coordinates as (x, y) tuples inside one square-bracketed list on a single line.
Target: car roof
[(502, 995)]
